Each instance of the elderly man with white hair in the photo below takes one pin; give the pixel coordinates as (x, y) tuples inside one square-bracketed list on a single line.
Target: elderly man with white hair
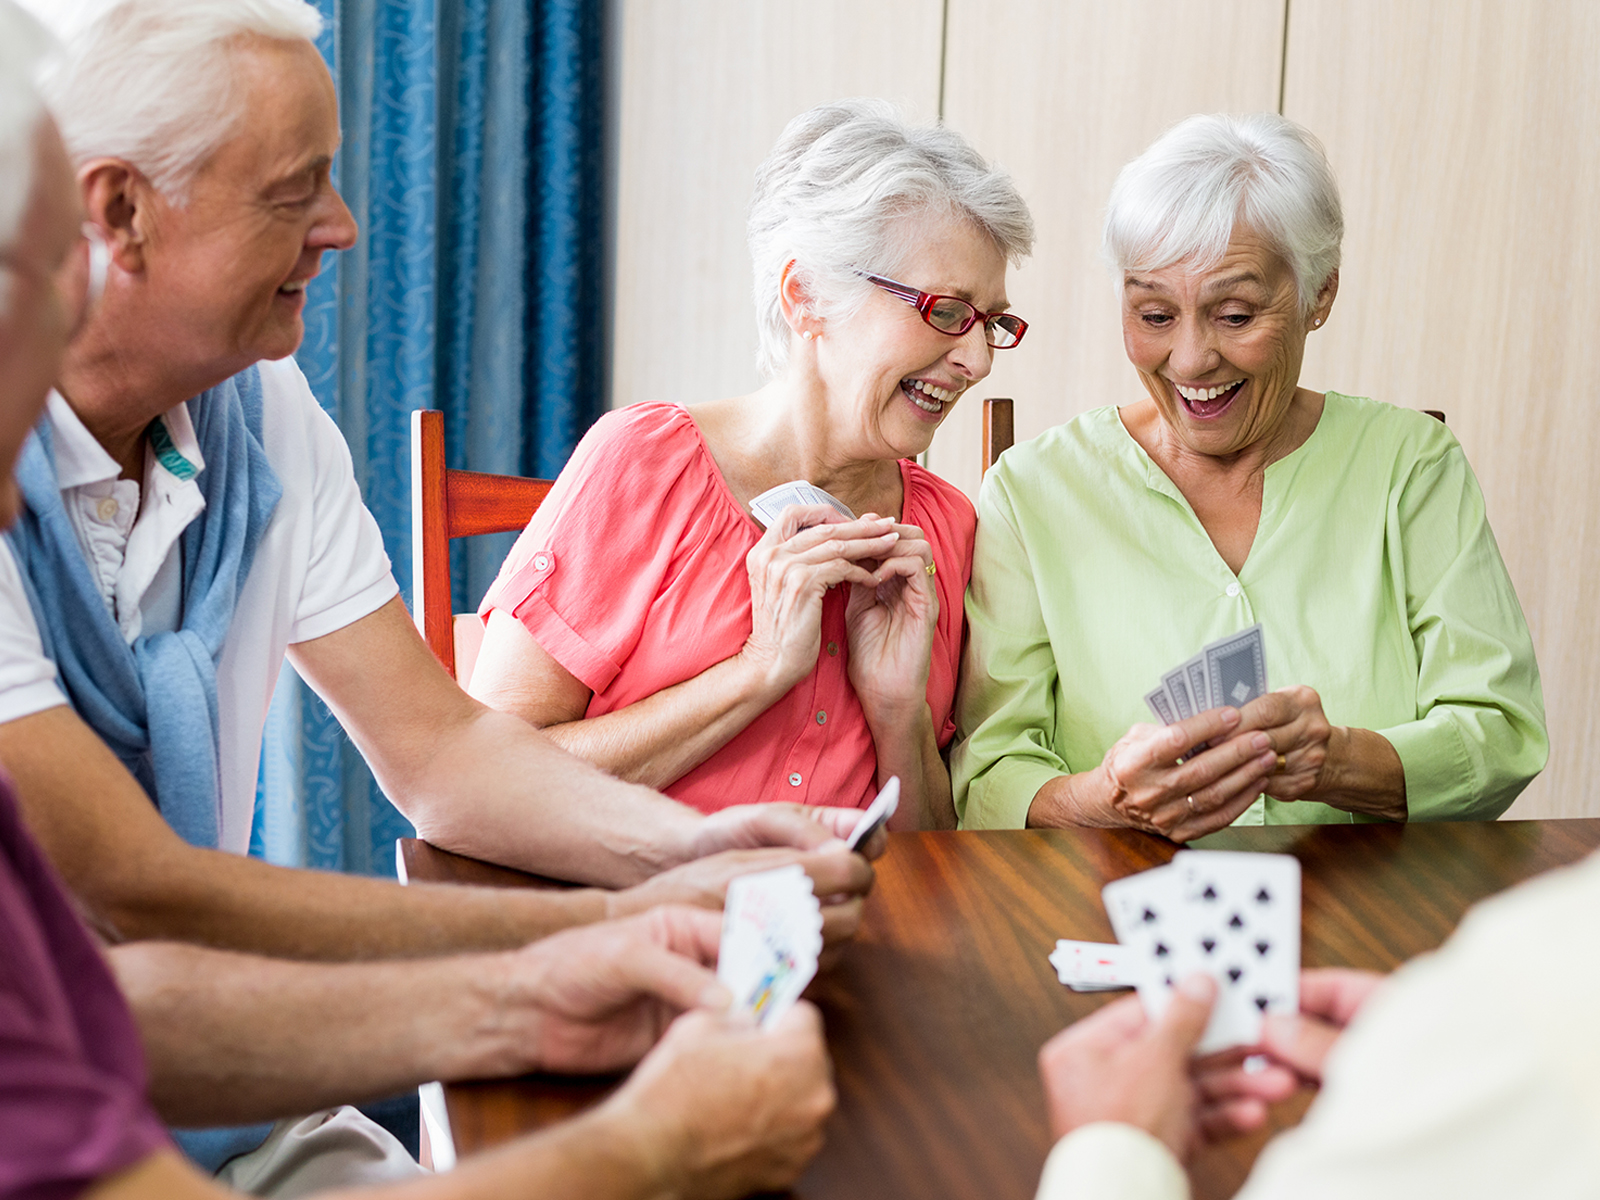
[(192, 517), (719, 1107)]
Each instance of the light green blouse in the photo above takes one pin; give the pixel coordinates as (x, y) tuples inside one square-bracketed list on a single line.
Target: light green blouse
[(1374, 575)]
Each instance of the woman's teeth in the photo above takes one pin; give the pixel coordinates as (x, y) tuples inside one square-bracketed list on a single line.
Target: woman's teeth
[(1199, 394), (297, 286), (931, 399)]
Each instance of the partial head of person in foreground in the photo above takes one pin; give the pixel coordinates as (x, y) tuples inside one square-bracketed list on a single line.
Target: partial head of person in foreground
[(203, 134), (43, 260), (852, 187), (1183, 199)]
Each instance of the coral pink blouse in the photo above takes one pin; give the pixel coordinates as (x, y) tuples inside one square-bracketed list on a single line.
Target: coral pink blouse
[(632, 576)]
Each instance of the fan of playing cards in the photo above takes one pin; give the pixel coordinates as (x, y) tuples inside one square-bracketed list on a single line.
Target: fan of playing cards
[(1233, 916), (768, 506), (1231, 671)]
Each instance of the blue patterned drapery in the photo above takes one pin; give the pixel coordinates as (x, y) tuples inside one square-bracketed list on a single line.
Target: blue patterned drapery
[(473, 160)]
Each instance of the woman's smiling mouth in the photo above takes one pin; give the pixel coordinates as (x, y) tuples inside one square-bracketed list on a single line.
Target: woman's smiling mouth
[(1207, 403), (926, 396)]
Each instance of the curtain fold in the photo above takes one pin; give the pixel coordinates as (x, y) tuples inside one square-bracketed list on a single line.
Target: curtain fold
[(473, 160)]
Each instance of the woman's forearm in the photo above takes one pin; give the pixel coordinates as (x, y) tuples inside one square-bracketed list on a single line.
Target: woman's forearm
[(660, 739), (1068, 800), (1362, 774), (910, 749)]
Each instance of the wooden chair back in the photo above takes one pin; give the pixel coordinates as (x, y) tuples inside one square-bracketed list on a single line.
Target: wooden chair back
[(448, 504), (998, 432)]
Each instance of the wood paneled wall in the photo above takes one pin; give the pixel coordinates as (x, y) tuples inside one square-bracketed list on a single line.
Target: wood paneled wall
[(1465, 134)]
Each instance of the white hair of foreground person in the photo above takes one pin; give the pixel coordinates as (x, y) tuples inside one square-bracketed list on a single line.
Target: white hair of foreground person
[(23, 44), (850, 187), (150, 82), (1180, 201)]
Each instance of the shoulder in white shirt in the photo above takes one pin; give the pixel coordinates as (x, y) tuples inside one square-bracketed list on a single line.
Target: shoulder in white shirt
[(320, 566)]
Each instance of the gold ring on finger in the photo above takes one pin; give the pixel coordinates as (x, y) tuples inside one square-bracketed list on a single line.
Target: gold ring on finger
[(1283, 762), (931, 568)]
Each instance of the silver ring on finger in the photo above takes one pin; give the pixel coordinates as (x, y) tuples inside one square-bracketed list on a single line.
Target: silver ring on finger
[(1190, 799)]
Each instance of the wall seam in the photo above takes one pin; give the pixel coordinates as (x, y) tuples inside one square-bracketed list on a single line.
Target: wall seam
[(1283, 63), (944, 50)]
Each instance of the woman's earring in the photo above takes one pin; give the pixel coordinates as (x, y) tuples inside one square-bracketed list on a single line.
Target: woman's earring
[(808, 335), (1317, 324)]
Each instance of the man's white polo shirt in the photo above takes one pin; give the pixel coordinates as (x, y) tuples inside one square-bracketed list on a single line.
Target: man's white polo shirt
[(320, 565)]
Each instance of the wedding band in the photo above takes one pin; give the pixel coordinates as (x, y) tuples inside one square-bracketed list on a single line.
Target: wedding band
[(1190, 799), (931, 569), (1283, 762)]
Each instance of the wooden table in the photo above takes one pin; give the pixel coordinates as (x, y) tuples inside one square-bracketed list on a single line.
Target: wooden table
[(936, 1012)]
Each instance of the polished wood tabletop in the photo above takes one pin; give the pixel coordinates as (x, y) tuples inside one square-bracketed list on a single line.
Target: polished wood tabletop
[(936, 1012)]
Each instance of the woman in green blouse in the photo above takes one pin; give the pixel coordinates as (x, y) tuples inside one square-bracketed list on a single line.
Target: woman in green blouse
[(1115, 546)]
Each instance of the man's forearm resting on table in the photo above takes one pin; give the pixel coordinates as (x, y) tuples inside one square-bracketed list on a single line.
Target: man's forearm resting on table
[(480, 782), (399, 1024)]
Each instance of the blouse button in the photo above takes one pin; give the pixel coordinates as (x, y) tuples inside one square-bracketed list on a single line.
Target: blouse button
[(1233, 589), (794, 780), (540, 562), (106, 509), (822, 717), (833, 648)]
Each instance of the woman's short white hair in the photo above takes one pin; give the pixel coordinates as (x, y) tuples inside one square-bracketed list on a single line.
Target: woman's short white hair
[(851, 185), (150, 81), (23, 45), (1181, 200)]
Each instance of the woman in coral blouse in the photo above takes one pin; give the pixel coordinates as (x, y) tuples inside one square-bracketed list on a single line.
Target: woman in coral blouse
[(647, 622)]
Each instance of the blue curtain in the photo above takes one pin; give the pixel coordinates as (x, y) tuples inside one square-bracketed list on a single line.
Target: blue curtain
[(473, 159)]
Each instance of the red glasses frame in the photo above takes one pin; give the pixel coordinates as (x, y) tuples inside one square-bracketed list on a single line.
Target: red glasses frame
[(923, 302)]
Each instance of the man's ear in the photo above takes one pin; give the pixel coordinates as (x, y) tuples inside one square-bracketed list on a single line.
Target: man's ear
[(118, 198)]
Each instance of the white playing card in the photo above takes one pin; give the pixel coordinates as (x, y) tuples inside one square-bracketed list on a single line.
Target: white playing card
[(1241, 925), (1144, 911), (1092, 966), (878, 812), (1195, 672), (1236, 668), (771, 937), (1161, 704), (1176, 681), (769, 506)]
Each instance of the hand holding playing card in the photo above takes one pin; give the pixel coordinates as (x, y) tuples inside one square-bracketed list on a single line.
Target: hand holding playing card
[(1149, 789), (804, 553), (1292, 717), (597, 997), (890, 628), (1330, 998), (1120, 1065)]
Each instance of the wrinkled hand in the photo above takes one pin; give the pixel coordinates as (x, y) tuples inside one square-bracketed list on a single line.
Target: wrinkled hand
[(747, 826), (725, 1108), (602, 994), (889, 626), (1117, 1066), (839, 879), (1234, 1100), (1292, 718), (1151, 790), (809, 549)]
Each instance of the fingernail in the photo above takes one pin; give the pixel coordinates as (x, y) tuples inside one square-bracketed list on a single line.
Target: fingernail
[(1261, 742), (716, 997), (1230, 716), (1198, 987)]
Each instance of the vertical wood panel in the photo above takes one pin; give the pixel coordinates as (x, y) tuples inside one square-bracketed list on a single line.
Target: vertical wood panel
[(1063, 93), (1464, 137), (706, 89)]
